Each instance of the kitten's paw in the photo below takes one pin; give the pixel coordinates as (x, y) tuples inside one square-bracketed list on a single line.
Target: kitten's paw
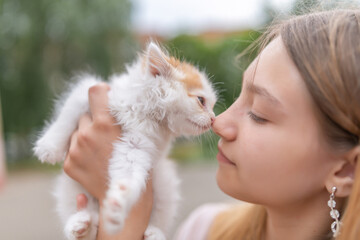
[(154, 233), (48, 152), (78, 226), (115, 207)]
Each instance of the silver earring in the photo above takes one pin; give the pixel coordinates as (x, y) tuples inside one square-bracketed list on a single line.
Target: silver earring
[(335, 226)]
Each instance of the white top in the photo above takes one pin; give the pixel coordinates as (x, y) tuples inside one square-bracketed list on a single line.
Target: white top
[(196, 226)]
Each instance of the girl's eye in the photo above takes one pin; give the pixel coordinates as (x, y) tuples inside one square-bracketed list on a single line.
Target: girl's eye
[(201, 100), (256, 118)]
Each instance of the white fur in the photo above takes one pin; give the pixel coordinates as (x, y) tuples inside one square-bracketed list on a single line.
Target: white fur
[(152, 105)]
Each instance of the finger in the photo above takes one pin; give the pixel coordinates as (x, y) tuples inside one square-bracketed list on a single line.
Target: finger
[(69, 155), (73, 141), (85, 121), (74, 154), (98, 101), (81, 201)]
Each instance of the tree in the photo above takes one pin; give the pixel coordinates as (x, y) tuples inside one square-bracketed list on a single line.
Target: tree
[(43, 43)]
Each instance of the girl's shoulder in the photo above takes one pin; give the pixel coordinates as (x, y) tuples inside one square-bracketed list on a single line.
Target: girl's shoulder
[(196, 226)]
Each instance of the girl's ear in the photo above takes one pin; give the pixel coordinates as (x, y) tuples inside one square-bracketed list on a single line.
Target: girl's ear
[(342, 175), (157, 64)]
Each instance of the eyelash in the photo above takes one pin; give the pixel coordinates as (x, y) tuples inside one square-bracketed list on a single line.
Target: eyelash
[(256, 118)]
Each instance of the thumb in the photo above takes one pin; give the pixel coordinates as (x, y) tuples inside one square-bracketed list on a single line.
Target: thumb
[(81, 202)]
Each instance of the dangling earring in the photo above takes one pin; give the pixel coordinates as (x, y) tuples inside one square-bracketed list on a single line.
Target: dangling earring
[(335, 226)]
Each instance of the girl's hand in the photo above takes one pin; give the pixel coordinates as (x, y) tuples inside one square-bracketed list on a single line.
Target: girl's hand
[(91, 144), (135, 223), (87, 163)]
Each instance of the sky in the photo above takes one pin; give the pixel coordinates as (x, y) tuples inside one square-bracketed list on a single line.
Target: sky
[(170, 17)]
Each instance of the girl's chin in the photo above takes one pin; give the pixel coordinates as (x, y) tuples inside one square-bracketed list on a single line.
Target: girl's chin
[(224, 181)]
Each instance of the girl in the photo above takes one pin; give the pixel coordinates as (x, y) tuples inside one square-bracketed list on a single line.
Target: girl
[(288, 145)]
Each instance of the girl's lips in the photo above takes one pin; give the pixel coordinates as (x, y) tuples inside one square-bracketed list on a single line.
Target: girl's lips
[(221, 157)]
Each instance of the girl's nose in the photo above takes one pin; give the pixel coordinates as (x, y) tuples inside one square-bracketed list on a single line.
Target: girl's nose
[(224, 126)]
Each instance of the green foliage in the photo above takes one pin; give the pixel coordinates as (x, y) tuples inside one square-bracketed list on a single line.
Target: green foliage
[(43, 43)]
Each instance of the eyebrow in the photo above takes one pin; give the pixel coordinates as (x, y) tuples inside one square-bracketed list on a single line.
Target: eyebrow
[(263, 92)]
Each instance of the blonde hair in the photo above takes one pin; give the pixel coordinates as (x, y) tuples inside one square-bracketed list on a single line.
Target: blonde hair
[(325, 48), (239, 222)]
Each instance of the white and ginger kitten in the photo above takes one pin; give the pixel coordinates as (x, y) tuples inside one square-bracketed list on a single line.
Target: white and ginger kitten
[(157, 99)]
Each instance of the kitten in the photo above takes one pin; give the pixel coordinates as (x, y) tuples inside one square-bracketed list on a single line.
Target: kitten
[(157, 99)]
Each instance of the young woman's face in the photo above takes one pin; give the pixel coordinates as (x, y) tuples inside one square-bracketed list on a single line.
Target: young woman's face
[(271, 151)]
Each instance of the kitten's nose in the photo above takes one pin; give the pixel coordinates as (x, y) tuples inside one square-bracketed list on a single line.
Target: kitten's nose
[(212, 120)]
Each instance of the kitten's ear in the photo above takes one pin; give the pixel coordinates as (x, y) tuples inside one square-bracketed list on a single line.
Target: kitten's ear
[(157, 65)]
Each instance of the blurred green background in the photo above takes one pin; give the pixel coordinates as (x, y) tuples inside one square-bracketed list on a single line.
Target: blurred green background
[(43, 43)]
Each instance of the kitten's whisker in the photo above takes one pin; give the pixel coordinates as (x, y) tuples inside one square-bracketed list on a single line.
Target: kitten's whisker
[(217, 83)]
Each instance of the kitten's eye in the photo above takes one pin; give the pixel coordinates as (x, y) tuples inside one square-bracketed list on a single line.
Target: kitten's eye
[(201, 100)]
